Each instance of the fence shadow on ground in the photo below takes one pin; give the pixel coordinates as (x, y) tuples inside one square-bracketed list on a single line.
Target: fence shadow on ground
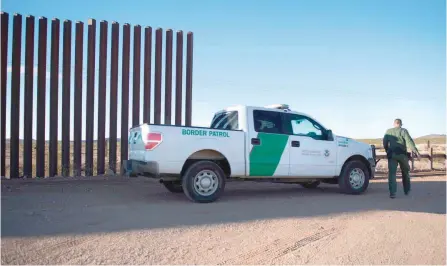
[(44, 208)]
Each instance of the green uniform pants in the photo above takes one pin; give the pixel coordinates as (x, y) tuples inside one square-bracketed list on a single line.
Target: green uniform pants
[(402, 161)]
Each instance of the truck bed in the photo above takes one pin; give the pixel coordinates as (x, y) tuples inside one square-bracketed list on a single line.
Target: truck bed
[(179, 143)]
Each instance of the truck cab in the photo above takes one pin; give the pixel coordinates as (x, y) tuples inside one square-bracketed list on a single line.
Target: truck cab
[(271, 143)]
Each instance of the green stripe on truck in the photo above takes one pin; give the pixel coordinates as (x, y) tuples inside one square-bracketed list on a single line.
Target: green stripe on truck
[(264, 158)]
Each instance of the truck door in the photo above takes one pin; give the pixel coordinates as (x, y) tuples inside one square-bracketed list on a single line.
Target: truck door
[(268, 152), (311, 153)]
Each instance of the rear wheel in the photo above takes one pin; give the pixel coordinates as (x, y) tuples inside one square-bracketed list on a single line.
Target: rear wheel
[(173, 186), (203, 182), (354, 178), (311, 185)]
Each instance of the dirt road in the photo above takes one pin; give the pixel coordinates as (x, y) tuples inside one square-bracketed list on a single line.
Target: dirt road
[(137, 221)]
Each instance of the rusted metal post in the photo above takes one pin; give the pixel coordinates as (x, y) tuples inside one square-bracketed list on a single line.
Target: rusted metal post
[(168, 78), (15, 95), (66, 91), (91, 45), (113, 95), (41, 94), (54, 95), (179, 79), (28, 103), (77, 127), (136, 75), (188, 96), (147, 74), (431, 158), (125, 92), (101, 152), (157, 81), (4, 66)]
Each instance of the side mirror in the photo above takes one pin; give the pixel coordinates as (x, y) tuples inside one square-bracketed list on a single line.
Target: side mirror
[(330, 135)]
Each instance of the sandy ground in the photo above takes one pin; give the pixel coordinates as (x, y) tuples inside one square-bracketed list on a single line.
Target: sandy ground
[(120, 221)]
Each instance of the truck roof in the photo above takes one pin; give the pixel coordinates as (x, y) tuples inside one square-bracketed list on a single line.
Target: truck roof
[(273, 107), (268, 107)]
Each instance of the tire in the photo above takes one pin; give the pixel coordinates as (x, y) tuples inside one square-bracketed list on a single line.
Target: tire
[(311, 185), (173, 186), (200, 191), (354, 178)]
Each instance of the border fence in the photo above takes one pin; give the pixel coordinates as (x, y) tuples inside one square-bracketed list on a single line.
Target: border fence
[(66, 52), (427, 153)]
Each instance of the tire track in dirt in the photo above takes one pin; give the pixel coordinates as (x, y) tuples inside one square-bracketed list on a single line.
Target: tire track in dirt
[(278, 248), (305, 241), (321, 247)]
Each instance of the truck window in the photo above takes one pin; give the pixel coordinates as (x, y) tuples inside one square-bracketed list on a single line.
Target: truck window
[(226, 120), (267, 121), (303, 126)]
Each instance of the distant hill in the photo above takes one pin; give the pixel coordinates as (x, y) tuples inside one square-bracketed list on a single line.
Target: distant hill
[(433, 138)]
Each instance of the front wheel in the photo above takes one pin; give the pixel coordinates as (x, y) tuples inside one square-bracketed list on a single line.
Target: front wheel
[(203, 182), (354, 178)]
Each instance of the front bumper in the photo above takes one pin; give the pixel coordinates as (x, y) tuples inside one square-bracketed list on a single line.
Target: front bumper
[(373, 161), (372, 167), (149, 169), (373, 172)]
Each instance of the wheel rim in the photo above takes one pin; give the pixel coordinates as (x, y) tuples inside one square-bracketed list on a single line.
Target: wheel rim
[(206, 183), (357, 178)]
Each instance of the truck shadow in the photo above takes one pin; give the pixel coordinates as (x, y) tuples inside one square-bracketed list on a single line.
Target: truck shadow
[(34, 208)]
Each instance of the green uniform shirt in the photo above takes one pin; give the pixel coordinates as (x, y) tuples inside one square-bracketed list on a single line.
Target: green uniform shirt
[(397, 140)]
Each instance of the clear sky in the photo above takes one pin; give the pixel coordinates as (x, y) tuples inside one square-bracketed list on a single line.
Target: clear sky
[(354, 65)]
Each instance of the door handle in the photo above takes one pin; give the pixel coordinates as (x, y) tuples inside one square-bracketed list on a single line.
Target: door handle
[(255, 141), (295, 143)]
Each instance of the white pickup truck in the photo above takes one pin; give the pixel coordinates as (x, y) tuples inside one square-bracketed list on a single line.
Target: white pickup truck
[(269, 143)]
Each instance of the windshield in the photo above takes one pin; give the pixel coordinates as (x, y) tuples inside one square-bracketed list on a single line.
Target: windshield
[(301, 120), (225, 120)]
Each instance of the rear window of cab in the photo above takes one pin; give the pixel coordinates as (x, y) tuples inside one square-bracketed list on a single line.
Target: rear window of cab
[(228, 120)]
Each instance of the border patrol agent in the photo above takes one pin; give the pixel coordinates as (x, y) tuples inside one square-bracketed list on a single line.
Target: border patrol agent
[(395, 142)]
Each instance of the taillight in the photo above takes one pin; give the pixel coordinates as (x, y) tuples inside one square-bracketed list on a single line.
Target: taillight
[(153, 140)]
